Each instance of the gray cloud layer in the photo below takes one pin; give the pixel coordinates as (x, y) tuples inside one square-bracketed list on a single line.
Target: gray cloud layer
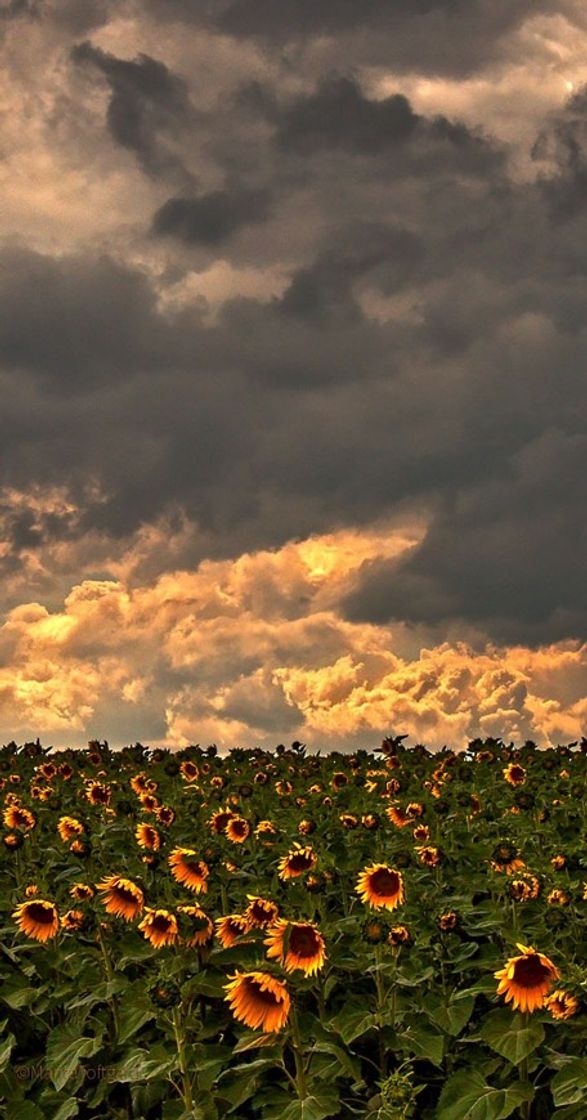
[(425, 350)]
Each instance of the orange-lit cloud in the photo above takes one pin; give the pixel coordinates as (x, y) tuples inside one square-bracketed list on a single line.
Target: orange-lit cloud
[(255, 649)]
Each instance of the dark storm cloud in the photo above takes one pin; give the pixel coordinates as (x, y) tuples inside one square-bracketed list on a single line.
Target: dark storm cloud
[(426, 349), (76, 321), (565, 142), (509, 554), (435, 36), (15, 9), (211, 219), (148, 104), (338, 115)]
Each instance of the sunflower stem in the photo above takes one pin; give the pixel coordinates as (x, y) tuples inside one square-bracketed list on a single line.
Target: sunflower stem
[(109, 977), (188, 1099), (526, 1106), (224, 898), (298, 1056), (380, 1008)]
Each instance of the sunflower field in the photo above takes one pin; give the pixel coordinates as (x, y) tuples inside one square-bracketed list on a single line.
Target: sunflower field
[(293, 936)]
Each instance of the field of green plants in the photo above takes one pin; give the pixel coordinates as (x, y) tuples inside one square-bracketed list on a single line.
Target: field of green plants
[(282, 935)]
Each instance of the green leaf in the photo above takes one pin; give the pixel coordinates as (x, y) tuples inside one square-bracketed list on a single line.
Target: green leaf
[(467, 1096), (318, 1106), (67, 1110), (454, 1015), (424, 1042), (143, 1065), (347, 1063), (23, 1110), (6, 1050), (353, 1021), (18, 995), (135, 1010), (255, 1042), (511, 1036), (569, 1085), (65, 1052)]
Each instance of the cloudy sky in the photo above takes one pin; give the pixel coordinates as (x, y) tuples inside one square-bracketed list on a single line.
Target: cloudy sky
[(292, 350)]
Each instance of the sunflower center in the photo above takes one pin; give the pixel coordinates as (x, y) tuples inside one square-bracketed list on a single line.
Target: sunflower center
[(40, 913), (125, 895), (384, 881), (263, 995), (530, 973), (299, 863), (161, 924), (221, 820), (303, 941)]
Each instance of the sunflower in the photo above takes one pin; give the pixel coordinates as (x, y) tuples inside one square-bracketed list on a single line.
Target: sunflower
[(48, 770), (201, 926), (258, 1000), (448, 921), (519, 890), (159, 927), (296, 945), (230, 928), (31, 890), (237, 829), (69, 827), (122, 897), (73, 920), (348, 820), (38, 919), (421, 833), (370, 821), (219, 820), (266, 828), (149, 802), (306, 827), (189, 771), (374, 931), (506, 859), (297, 861), (165, 814), (139, 783), (399, 935), (147, 837), (561, 1004), (558, 897), (13, 840), (81, 892), (261, 912), (18, 817), (339, 780), (558, 862), (380, 885), (41, 793), (98, 793), (429, 855), (525, 980), (186, 868), (398, 816), (515, 774)]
